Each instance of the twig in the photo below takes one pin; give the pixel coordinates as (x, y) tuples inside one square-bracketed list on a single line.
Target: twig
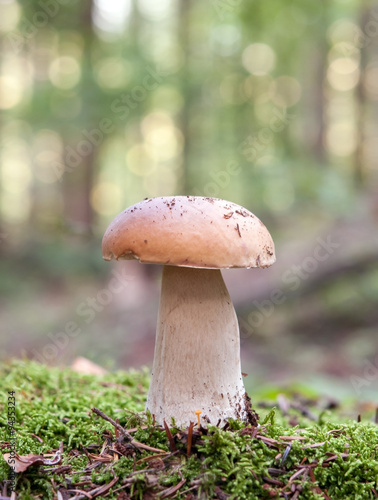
[(293, 438), (297, 474), (135, 429), (159, 455), (268, 441), (100, 490), (82, 495), (103, 489), (171, 490), (37, 437), (315, 445), (124, 433), (146, 447), (113, 422)]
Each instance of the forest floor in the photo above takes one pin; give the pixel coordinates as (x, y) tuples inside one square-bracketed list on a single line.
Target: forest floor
[(69, 435)]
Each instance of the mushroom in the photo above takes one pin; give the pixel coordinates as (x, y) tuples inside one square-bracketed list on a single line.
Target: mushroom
[(196, 364)]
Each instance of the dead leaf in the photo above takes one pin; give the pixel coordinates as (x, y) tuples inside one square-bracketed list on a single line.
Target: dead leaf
[(22, 462)]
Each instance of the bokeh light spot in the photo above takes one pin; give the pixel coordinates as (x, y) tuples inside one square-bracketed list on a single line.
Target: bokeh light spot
[(258, 58), (163, 141), (10, 14), (341, 139), (155, 10), (16, 178), (16, 174), (111, 15), (10, 91), (343, 73), (344, 30), (64, 72), (15, 208), (112, 72), (106, 198)]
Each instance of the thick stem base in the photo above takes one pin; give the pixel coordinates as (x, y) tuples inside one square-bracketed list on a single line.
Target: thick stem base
[(197, 352)]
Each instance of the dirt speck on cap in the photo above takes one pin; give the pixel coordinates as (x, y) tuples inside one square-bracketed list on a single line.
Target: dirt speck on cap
[(242, 212)]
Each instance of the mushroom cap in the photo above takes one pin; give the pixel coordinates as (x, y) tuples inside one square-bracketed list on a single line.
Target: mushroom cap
[(189, 231)]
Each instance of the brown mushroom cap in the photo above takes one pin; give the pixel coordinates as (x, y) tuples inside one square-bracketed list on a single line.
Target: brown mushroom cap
[(189, 231)]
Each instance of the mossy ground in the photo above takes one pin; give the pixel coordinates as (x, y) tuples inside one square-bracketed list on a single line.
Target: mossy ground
[(288, 456)]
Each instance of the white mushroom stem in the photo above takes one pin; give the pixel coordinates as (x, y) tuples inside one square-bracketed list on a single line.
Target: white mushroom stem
[(197, 352)]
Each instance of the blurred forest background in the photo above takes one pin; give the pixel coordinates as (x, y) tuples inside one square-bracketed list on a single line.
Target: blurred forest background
[(270, 104)]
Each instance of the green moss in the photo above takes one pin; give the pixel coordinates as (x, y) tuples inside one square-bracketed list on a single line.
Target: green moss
[(53, 405)]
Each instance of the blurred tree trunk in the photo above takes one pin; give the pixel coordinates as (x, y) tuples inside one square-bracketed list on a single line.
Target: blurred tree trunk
[(315, 126), (135, 24), (77, 185), (319, 104), (2, 234), (361, 103), (187, 91)]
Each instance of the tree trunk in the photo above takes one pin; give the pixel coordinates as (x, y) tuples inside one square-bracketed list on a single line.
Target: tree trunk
[(78, 183), (184, 38)]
